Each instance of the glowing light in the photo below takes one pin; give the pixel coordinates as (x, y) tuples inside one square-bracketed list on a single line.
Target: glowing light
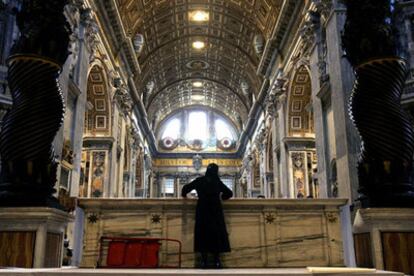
[(199, 16), (197, 97), (198, 45), (223, 130), (197, 126), (197, 84), (172, 129)]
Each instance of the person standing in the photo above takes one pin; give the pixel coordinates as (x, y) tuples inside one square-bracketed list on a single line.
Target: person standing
[(210, 234)]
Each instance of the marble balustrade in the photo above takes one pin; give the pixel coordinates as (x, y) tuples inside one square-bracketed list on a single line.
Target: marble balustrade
[(263, 232)]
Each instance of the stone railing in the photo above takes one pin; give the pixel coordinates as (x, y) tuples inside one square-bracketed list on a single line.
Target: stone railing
[(262, 232)]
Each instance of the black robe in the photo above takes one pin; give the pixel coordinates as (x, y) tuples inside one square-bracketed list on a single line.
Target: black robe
[(210, 234)]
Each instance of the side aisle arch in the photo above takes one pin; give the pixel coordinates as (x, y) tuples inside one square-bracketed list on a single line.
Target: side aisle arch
[(97, 135), (301, 136)]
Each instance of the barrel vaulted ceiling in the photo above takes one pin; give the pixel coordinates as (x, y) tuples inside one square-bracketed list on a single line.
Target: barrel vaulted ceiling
[(222, 75)]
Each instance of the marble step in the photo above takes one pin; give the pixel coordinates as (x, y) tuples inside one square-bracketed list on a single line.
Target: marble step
[(201, 272)]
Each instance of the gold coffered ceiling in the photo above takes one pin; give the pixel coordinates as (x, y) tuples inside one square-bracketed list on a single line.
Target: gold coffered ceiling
[(226, 66)]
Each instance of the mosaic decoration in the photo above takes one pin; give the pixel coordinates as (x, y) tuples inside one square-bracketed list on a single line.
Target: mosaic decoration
[(98, 173), (299, 173), (256, 170)]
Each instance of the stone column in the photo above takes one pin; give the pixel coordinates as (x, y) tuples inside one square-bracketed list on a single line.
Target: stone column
[(385, 166), (28, 167)]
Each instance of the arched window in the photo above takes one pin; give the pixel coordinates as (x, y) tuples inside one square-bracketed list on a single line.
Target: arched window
[(197, 126), (197, 129), (172, 129), (223, 130)]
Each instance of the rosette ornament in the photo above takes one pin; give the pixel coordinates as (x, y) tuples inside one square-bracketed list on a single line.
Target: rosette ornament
[(385, 164), (28, 171)]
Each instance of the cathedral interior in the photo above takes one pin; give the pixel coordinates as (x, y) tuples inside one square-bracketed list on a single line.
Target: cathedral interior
[(109, 107)]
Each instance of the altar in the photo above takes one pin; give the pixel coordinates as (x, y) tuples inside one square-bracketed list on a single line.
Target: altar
[(263, 232)]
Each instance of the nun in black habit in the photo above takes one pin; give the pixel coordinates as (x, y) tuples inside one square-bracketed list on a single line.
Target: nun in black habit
[(210, 234)]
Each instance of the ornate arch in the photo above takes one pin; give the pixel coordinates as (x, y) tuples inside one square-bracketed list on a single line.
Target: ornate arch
[(98, 112), (300, 115)]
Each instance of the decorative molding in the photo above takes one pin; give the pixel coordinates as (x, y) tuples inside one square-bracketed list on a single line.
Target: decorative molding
[(156, 218), (308, 33), (122, 97), (269, 218), (91, 31), (324, 8), (93, 218)]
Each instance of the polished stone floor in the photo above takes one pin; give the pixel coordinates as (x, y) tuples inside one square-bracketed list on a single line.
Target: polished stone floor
[(204, 272)]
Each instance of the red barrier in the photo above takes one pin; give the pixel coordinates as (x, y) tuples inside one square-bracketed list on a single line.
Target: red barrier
[(133, 252)]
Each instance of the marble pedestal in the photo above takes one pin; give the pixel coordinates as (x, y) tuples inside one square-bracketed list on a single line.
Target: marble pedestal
[(384, 238), (32, 237), (262, 232)]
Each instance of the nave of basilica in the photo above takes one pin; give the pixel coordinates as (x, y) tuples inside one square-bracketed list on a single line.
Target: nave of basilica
[(109, 107)]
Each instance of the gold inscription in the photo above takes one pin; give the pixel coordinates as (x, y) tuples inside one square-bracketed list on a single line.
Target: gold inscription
[(189, 162)]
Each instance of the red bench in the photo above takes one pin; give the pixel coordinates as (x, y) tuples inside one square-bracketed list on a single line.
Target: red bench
[(133, 252)]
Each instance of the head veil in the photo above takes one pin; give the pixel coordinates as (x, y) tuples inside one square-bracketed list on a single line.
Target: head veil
[(212, 171)]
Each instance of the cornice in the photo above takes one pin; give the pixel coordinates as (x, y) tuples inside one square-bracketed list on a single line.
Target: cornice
[(288, 13)]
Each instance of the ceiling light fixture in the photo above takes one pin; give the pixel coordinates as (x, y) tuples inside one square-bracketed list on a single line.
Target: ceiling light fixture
[(197, 84), (198, 45), (199, 16)]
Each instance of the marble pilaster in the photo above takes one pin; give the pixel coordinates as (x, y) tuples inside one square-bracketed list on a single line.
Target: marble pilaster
[(341, 82), (379, 221), (283, 154)]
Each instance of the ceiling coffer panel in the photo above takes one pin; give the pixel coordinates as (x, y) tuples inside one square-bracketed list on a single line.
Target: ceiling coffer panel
[(226, 65)]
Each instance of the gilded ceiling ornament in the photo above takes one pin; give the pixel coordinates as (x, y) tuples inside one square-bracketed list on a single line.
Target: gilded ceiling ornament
[(258, 43), (138, 42)]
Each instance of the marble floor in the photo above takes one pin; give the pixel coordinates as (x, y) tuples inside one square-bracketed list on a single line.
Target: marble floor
[(201, 272)]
